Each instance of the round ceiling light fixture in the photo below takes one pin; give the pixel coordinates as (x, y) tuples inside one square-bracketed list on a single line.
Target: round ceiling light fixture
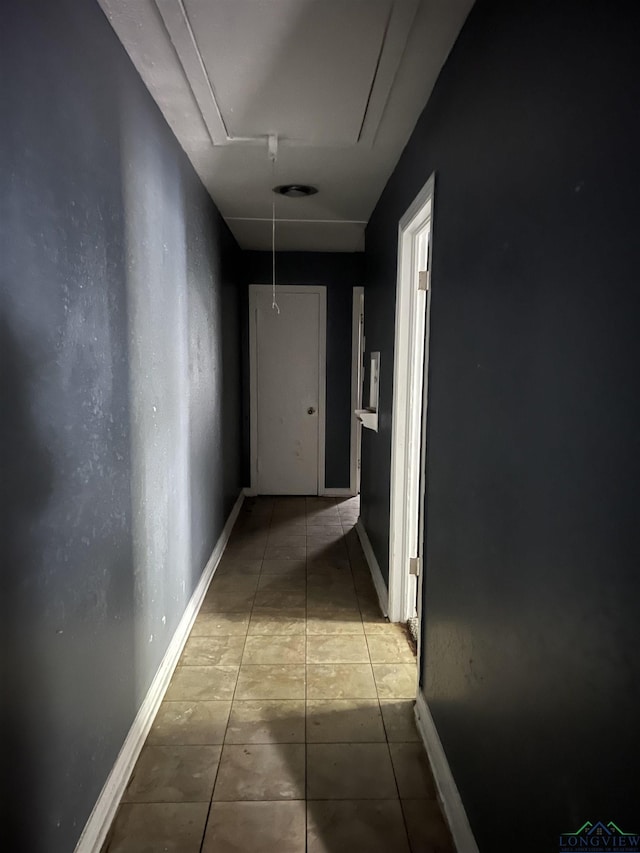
[(295, 190)]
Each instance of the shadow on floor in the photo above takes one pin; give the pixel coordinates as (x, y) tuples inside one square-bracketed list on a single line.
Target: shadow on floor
[(288, 725)]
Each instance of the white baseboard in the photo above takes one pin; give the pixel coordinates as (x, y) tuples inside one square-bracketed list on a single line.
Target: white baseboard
[(448, 794), (374, 568), (100, 820)]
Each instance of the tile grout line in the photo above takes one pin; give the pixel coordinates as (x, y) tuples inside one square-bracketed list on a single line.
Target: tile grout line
[(224, 736), (306, 672)]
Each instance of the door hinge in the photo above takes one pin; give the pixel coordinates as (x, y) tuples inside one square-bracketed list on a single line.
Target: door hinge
[(423, 280), (414, 566)]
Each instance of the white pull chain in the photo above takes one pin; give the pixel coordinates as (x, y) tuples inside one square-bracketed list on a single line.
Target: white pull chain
[(273, 154), (274, 304)]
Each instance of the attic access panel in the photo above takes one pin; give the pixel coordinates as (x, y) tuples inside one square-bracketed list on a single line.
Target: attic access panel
[(300, 68)]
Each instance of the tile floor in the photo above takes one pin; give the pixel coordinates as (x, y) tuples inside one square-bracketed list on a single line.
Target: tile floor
[(288, 724)]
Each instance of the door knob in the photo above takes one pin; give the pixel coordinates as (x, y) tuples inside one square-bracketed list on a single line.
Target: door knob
[(310, 410)]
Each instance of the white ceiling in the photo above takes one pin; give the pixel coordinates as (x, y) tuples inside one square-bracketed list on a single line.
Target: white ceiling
[(340, 83)]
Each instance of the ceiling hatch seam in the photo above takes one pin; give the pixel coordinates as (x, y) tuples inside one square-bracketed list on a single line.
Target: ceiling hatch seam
[(167, 8), (217, 130), (375, 72), (392, 49), (284, 219)]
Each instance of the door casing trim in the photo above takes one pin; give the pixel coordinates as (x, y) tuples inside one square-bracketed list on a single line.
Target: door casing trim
[(356, 390), (419, 211)]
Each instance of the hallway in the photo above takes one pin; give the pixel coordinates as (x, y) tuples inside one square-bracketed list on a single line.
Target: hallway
[(288, 725)]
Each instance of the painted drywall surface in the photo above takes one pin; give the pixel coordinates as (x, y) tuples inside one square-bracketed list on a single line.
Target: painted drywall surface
[(532, 586), (120, 405), (340, 273)]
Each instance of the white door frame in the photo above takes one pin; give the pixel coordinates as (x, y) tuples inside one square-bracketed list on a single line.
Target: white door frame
[(401, 605), (357, 366), (321, 290)]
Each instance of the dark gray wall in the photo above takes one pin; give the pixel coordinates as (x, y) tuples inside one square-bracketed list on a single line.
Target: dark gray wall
[(531, 665), (119, 351), (340, 273)]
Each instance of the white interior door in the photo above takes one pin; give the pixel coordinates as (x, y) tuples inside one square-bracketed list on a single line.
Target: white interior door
[(287, 389)]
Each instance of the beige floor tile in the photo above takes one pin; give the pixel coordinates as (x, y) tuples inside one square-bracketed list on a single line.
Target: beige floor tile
[(247, 536), (227, 602), (174, 774), (369, 609), (356, 826), (323, 537), (254, 510), (241, 566), (364, 586), (277, 598), (202, 683), (369, 604), (349, 771), (267, 721), (170, 827), (274, 649), (258, 520), (337, 611), (396, 680), (267, 622), (331, 599), (183, 723), (256, 827), (321, 522), (288, 538), (326, 552), (336, 648), (361, 572), (331, 596), (412, 771), (288, 516), (293, 568), (284, 582), (399, 720), (213, 651), (376, 623), (288, 521), (285, 552), (358, 561), (328, 561), (325, 577), (232, 583), (246, 550), (220, 624), (344, 721), (335, 623), (261, 772), (340, 681), (322, 510), (388, 648), (428, 833), (271, 681)]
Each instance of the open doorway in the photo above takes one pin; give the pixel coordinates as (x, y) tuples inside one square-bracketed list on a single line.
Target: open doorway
[(408, 448)]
